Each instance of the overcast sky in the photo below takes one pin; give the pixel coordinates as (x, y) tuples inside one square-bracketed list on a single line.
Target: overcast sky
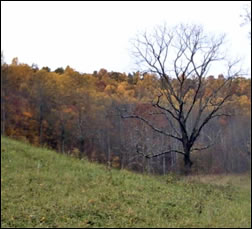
[(89, 36)]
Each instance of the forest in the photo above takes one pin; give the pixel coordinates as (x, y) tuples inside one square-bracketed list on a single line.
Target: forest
[(80, 115), (126, 115)]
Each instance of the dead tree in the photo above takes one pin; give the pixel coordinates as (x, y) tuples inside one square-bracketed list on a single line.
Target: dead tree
[(182, 57), (246, 17)]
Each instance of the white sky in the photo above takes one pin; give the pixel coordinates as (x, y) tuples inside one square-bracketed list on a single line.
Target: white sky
[(93, 35)]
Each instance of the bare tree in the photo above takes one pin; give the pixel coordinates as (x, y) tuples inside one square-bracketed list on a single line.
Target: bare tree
[(246, 16), (182, 57)]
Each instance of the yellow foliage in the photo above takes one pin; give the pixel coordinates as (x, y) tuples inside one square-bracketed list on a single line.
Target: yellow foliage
[(244, 100), (121, 89), (110, 89), (27, 114)]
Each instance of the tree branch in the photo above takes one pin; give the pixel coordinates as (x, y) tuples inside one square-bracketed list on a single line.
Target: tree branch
[(152, 126), (159, 154)]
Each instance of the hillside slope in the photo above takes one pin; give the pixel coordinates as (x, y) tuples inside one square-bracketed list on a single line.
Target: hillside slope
[(40, 188)]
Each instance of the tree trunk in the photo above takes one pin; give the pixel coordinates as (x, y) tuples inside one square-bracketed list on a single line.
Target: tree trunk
[(108, 151), (40, 130), (82, 147), (3, 116), (62, 139), (40, 123), (164, 169), (187, 163), (63, 147), (121, 144)]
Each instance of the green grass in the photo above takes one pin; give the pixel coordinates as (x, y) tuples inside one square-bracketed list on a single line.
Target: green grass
[(41, 188)]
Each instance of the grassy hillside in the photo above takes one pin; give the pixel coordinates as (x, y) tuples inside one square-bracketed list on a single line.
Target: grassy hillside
[(41, 188)]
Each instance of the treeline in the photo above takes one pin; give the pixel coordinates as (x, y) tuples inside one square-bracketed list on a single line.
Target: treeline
[(80, 114)]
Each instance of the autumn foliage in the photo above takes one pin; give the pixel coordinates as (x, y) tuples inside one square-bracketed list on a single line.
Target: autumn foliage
[(78, 114)]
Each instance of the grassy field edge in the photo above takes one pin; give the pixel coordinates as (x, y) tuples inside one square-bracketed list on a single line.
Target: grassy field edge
[(41, 188)]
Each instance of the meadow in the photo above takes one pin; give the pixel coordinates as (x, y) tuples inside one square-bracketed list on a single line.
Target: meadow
[(41, 188)]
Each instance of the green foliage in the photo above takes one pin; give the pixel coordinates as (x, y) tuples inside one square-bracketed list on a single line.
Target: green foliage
[(41, 188)]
